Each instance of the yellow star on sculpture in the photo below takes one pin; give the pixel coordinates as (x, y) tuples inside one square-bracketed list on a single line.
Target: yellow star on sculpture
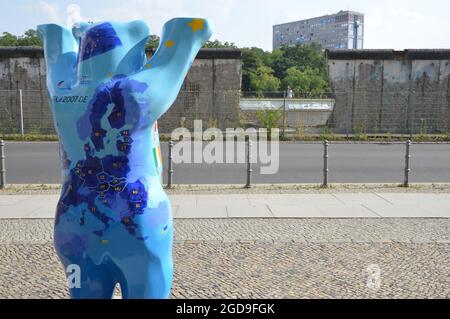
[(169, 43), (197, 24)]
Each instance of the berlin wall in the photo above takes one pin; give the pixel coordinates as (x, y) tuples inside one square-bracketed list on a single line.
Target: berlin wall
[(387, 91), (210, 91)]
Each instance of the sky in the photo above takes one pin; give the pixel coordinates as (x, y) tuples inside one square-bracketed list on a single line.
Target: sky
[(389, 24)]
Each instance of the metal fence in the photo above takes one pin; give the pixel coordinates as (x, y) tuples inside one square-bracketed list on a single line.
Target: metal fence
[(28, 112), (325, 168), (170, 171), (218, 108), (360, 111), (25, 112)]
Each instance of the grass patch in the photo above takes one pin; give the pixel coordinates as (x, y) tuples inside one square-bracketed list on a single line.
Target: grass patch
[(28, 137), (297, 136)]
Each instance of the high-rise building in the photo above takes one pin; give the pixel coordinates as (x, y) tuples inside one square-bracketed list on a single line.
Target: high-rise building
[(344, 30)]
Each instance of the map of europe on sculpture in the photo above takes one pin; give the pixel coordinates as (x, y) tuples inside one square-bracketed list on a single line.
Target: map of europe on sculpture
[(113, 219)]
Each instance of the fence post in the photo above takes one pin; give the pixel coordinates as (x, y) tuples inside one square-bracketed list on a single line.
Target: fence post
[(284, 115), (407, 158), (2, 165), (21, 112), (325, 163), (170, 168), (249, 163)]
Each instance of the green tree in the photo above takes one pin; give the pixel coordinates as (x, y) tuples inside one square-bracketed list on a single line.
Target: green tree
[(309, 71), (301, 57), (263, 80), (269, 119), (252, 59), (8, 39), (310, 81), (153, 42), (30, 38)]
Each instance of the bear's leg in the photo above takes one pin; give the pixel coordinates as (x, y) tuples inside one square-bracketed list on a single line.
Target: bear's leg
[(150, 280), (94, 282), (148, 273)]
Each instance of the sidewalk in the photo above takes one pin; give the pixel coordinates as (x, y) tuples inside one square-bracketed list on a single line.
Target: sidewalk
[(334, 205)]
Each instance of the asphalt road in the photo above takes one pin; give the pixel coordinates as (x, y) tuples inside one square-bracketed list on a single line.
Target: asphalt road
[(37, 162)]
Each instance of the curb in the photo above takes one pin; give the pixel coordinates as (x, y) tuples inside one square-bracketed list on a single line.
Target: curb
[(17, 189)]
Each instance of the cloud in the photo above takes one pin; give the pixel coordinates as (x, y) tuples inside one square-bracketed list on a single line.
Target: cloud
[(73, 14), (156, 13), (400, 26), (51, 10), (53, 13)]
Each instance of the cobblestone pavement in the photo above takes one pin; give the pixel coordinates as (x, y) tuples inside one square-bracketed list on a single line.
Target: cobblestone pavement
[(262, 258)]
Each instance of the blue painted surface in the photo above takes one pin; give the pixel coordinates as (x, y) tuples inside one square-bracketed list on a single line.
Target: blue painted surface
[(113, 217), (98, 39)]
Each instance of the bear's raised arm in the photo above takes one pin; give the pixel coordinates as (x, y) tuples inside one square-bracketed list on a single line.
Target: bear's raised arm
[(61, 50), (181, 40), (93, 52)]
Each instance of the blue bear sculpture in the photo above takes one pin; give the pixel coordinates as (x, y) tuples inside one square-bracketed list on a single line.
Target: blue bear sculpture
[(113, 219)]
